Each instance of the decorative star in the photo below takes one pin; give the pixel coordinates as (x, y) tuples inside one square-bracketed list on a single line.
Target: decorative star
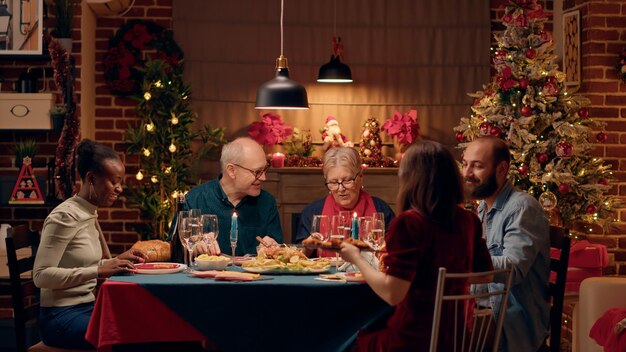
[(27, 160)]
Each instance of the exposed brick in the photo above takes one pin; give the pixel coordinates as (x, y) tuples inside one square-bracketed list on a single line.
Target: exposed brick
[(159, 12), (608, 241), (604, 112), (595, 22), (111, 226), (599, 60), (124, 238), (109, 112), (616, 22), (600, 87), (108, 136), (616, 100), (622, 242), (104, 124), (124, 214), (604, 8), (593, 73)]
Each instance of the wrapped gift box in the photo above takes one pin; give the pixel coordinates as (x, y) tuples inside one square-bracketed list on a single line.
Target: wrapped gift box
[(585, 260)]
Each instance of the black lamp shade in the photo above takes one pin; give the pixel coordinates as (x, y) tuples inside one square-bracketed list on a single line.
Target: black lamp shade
[(281, 93), (335, 72)]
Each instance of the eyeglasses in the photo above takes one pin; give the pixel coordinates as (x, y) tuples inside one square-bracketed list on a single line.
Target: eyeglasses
[(347, 184), (256, 173)]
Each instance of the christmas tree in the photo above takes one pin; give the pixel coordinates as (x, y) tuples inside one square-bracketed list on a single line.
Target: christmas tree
[(163, 142), (370, 143), (547, 127)]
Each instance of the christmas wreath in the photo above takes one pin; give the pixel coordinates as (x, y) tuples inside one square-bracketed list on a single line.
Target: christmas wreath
[(125, 59)]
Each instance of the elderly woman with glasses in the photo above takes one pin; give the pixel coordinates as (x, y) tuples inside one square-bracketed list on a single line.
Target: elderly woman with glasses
[(344, 181)]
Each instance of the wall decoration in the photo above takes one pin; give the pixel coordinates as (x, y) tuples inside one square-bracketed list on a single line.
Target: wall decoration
[(125, 60), (571, 48)]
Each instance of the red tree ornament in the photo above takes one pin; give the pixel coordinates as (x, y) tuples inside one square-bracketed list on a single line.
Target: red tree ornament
[(484, 128), (459, 137), (523, 83), (526, 111), (602, 137), (531, 53), (563, 188), (583, 112), (591, 209), (542, 158), (603, 181), (523, 170), (494, 131), (564, 149)]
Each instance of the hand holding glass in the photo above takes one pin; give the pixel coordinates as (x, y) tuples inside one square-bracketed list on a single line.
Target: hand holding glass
[(321, 225)]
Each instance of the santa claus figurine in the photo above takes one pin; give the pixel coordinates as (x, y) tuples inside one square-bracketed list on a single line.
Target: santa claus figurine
[(332, 136)]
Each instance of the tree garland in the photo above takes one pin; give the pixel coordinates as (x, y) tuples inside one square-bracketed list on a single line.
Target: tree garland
[(125, 60)]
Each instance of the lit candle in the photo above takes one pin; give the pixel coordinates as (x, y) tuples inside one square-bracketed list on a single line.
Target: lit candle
[(278, 160), (233, 227), (355, 227)]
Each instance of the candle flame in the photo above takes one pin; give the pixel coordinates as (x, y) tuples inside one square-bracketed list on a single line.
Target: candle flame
[(354, 215), (234, 214)]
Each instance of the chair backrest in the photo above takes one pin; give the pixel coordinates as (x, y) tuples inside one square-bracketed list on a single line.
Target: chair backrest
[(559, 239), (17, 238), (473, 324)]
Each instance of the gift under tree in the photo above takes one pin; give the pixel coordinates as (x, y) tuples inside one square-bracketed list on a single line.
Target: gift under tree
[(548, 128)]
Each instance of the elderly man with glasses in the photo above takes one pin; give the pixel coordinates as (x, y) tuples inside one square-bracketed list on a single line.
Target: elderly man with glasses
[(344, 181), (238, 189)]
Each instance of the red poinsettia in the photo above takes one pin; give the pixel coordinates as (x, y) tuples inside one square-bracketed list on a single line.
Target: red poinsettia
[(403, 126), (271, 130)]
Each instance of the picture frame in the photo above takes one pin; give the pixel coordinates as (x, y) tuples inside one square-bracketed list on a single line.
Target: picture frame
[(22, 32), (571, 48)]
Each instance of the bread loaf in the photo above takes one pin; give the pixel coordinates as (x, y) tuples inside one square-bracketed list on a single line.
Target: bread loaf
[(156, 250)]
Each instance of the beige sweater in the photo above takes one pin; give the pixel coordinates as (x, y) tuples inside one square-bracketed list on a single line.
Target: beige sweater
[(66, 265)]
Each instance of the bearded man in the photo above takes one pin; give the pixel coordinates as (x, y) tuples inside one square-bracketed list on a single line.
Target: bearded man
[(517, 233)]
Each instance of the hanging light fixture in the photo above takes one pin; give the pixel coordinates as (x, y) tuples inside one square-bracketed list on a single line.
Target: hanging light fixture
[(5, 19), (281, 92), (335, 71)]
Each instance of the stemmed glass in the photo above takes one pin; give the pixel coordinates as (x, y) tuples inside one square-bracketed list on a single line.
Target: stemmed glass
[(345, 224), (184, 214), (191, 233), (321, 225), (210, 228), (374, 233)]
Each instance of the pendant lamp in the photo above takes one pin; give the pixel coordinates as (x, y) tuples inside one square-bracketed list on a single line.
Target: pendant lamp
[(335, 71), (281, 92)]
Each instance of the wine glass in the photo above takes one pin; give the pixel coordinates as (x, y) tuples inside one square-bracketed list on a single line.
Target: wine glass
[(184, 214), (191, 233), (210, 228), (379, 216), (374, 233), (321, 225), (345, 224)]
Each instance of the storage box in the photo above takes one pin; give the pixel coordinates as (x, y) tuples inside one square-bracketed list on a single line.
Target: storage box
[(26, 111)]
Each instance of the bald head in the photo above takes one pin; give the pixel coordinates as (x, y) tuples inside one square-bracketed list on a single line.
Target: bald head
[(494, 147), (240, 150)]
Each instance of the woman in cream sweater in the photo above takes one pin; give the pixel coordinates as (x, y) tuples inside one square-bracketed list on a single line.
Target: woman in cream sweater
[(72, 254)]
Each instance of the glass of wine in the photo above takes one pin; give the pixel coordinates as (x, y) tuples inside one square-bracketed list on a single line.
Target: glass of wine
[(182, 215), (321, 226), (191, 233), (374, 233), (210, 228)]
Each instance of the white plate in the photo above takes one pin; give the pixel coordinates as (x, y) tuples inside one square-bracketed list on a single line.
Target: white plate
[(333, 260), (270, 271), (159, 268)]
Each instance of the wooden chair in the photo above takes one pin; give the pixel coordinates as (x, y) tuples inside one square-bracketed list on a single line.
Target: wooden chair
[(486, 326), (21, 287), (559, 239)]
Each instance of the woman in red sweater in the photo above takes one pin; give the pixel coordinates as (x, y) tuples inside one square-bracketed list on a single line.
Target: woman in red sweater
[(431, 231)]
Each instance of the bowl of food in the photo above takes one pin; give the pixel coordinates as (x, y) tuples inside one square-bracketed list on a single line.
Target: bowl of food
[(211, 262)]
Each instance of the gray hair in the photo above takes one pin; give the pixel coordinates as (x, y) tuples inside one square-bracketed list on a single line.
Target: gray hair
[(342, 157), (233, 152)]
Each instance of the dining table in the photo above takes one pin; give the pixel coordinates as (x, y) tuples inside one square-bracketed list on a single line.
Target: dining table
[(284, 312)]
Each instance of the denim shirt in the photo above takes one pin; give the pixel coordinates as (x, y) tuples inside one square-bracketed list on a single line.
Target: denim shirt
[(517, 232)]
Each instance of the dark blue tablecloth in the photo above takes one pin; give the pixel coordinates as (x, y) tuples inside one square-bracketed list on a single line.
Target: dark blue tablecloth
[(286, 313)]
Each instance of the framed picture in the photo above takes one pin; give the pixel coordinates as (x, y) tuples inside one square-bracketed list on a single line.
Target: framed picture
[(21, 23), (571, 48)]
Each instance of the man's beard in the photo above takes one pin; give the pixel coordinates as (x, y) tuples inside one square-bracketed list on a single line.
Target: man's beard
[(485, 189)]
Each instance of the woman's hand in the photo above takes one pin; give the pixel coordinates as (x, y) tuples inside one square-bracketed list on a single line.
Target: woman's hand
[(114, 266), (269, 242), (350, 253), (133, 255)]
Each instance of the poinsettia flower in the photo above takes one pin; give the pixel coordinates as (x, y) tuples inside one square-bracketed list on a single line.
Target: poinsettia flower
[(402, 126), (270, 130)]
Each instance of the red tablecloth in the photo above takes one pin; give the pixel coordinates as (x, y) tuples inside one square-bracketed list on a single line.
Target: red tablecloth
[(134, 320)]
